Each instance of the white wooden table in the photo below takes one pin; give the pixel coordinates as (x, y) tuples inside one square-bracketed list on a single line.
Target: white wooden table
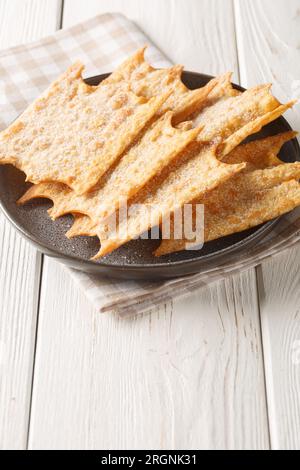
[(219, 370)]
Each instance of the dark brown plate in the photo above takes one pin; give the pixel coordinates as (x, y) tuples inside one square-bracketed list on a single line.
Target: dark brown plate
[(134, 260)]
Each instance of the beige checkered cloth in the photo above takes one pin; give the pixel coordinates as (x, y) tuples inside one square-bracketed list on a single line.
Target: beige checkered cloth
[(101, 43)]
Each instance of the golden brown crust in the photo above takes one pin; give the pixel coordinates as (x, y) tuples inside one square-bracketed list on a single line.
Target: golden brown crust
[(200, 175), (83, 226), (259, 153), (154, 151), (199, 172), (92, 148), (249, 198), (75, 132), (256, 208)]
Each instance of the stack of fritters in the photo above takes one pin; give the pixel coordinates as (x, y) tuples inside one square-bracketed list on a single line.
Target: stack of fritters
[(142, 139)]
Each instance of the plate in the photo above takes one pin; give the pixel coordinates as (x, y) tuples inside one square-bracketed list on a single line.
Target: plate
[(133, 260)]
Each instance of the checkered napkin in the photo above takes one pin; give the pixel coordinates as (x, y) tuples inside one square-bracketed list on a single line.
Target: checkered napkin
[(102, 43)]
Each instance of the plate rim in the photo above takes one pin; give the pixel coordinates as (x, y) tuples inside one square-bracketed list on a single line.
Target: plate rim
[(238, 246)]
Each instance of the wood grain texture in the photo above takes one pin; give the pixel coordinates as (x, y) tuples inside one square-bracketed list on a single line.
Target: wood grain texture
[(279, 282), (269, 47), (19, 262), (268, 35), (198, 34), (184, 377), (27, 20), (188, 375)]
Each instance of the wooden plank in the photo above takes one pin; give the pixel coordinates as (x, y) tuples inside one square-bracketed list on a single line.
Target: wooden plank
[(20, 263), (188, 375), (268, 44), (27, 20), (279, 292), (186, 31)]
